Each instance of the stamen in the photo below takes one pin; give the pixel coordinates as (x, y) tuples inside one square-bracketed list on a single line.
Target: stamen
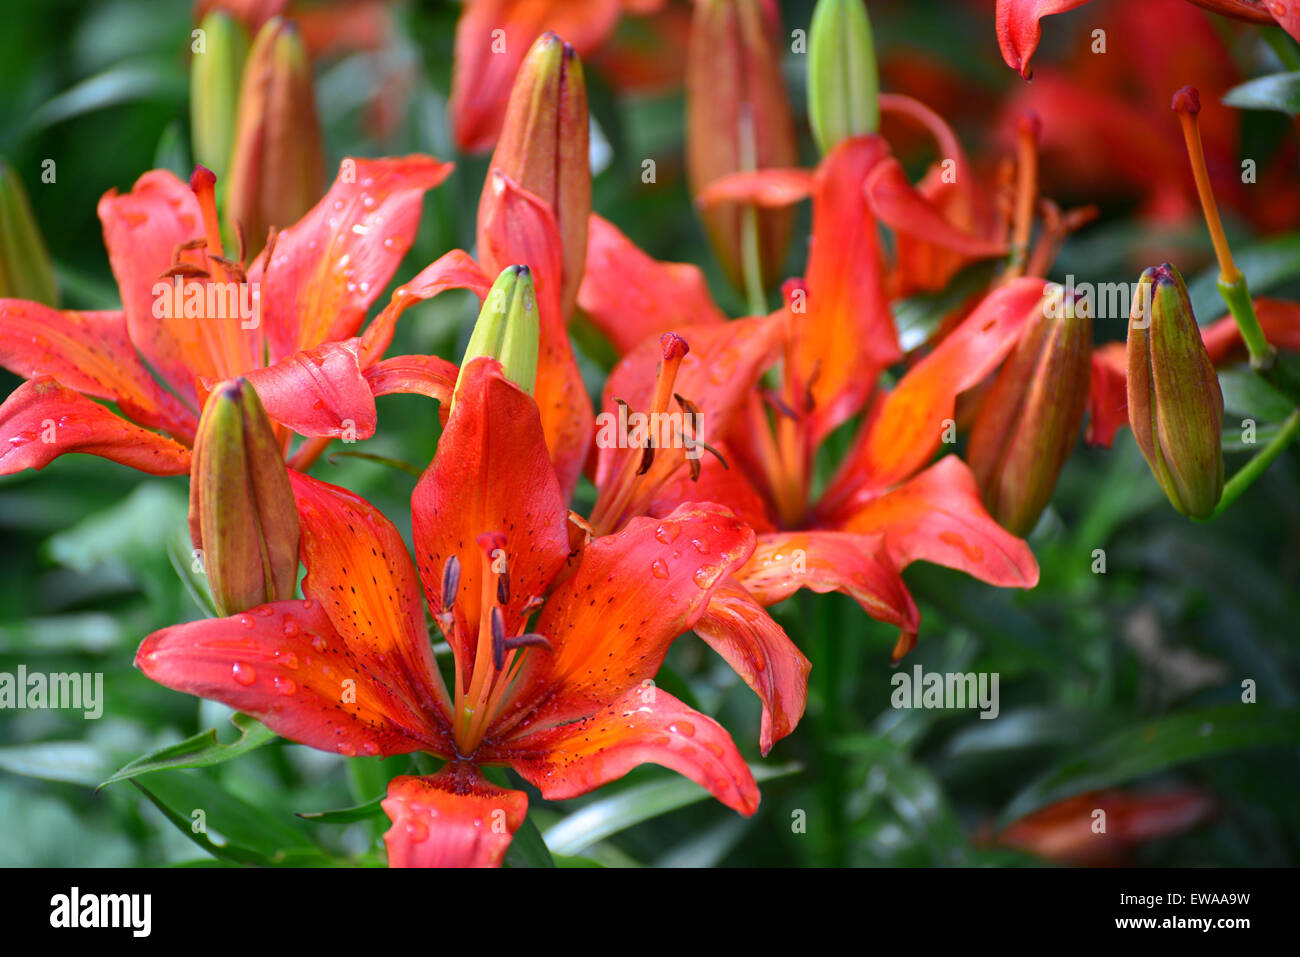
[(1029, 129), (1187, 104), (498, 638), (204, 184), (450, 582)]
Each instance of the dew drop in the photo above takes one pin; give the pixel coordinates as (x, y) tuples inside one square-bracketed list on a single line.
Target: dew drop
[(705, 575), (658, 568), (666, 533), (242, 673), (684, 728), (318, 643), (285, 686)]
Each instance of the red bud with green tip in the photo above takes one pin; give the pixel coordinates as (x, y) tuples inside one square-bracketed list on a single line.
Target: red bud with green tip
[(545, 147), (242, 511), (738, 119), (508, 329), (1175, 405), (1029, 420), (277, 168)]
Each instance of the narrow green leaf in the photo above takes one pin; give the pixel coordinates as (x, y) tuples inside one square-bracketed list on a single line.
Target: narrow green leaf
[(1277, 91), (346, 815), (1157, 745), (200, 751), (528, 849), (608, 816)]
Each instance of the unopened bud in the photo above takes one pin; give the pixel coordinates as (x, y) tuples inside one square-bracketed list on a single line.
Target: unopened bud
[(544, 147), (215, 75), (508, 329), (737, 120), (1030, 418), (1175, 405), (842, 82), (242, 511), (277, 170)]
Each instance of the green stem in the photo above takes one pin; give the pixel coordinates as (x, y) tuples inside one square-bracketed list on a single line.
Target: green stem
[(752, 262), (1253, 469), (1237, 297)]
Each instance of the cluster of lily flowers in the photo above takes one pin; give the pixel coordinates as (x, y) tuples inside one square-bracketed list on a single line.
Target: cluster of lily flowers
[(558, 622)]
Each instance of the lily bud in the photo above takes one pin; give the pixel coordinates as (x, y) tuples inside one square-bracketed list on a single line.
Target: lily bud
[(277, 169), (1175, 405), (26, 271), (215, 74), (1030, 418), (842, 82), (544, 147), (242, 511), (508, 329), (738, 120)]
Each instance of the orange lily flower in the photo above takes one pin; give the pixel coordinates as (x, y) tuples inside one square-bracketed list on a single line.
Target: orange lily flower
[(1019, 29), (884, 509), (193, 317), (567, 702)]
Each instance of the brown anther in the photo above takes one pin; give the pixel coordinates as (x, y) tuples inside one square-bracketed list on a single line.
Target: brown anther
[(450, 582), (647, 459), (185, 271)]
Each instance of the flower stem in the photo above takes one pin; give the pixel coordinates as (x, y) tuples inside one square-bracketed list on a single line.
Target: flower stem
[(1253, 469)]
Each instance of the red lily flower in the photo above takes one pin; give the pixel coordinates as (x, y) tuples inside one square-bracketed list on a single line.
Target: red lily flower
[(1019, 29), (492, 37), (884, 509), (297, 344), (566, 702)]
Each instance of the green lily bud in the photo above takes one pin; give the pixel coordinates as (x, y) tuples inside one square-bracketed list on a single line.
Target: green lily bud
[(1029, 421), (277, 168), (26, 271), (507, 328), (215, 73), (1175, 405), (842, 82), (242, 511), (544, 147)]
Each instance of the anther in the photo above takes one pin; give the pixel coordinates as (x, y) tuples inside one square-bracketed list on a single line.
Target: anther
[(450, 582)]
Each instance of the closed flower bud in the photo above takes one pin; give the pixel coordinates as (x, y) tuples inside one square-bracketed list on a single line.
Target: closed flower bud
[(544, 147), (1175, 405), (26, 271), (507, 328), (842, 82), (1030, 418), (242, 511), (737, 120), (277, 170), (215, 73)]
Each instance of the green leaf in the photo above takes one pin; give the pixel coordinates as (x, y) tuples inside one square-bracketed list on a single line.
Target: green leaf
[(1157, 745), (917, 317), (201, 751), (608, 816), (1266, 266), (1246, 394), (122, 83), (1277, 91), (347, 815), (528, 849), (249, 834)]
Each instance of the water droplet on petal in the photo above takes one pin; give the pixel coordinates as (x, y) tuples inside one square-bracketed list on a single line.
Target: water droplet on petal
[(701, 545), (684, 728), (666, 533), (658, 568), (705, 575), (285, 686), (242, 673)]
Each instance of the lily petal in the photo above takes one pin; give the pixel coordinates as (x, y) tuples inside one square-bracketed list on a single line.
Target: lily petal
[(453, 270), (330, 266), (421, 375), (142, 230), (738, 628), (905, 427), (847, 335), (768, 188), (358, 569), (491, 473), (905, 210), (1019, 30), (285, 664), (42, 420), (455, 818), (643, 725), (612, 621), (1279, 318), (938, 517), (89, 352), (520, 229), (1108, 393), (319, 392), (630, 297)]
